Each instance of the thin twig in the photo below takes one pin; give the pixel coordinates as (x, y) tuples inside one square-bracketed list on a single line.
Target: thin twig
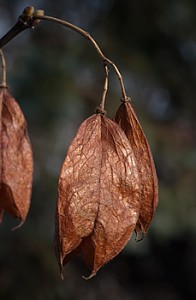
[(3, 82), (105, 89)]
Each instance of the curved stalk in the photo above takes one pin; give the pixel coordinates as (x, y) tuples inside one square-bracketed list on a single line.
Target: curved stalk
[(3, 82), (86, 35)]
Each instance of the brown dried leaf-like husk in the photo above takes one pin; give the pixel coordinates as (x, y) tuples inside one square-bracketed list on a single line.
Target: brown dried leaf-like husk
[(16, 159), (128, 121), (99, 192)]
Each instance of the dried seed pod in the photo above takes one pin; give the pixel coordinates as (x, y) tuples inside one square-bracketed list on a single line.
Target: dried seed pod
[(16, 159), (98, 195), (128, 121)]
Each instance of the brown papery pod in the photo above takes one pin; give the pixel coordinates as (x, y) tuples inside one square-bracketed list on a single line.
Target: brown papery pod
[(16, 159), (127, 119), (98, 195)]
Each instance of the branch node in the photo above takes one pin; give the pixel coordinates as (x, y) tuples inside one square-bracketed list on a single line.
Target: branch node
[(125, 99), (100, 110)]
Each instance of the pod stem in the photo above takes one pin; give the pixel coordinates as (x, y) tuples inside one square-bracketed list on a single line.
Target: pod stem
[(3, 82)]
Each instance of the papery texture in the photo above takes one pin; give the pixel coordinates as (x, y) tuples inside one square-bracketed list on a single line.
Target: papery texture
[(16, 159), (98, 196), (128, 121)]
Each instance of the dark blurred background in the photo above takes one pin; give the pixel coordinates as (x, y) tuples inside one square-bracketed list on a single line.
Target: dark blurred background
[(57, 78)]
